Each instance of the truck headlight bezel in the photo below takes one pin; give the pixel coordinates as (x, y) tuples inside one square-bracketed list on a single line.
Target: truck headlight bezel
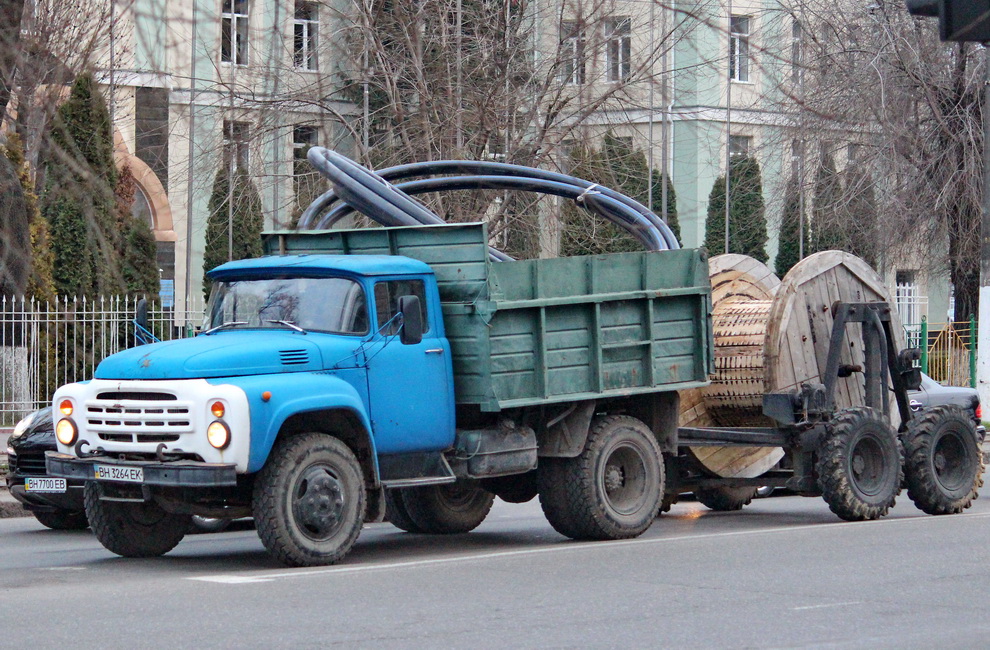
[(66, 431), (218, 435)]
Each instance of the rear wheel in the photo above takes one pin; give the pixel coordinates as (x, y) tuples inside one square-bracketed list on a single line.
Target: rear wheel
[(726, 499), (133, 529), (63, 519), (612, 490), (447, 509), (943, 464), (396, 513), (859, 465), (309, 500)]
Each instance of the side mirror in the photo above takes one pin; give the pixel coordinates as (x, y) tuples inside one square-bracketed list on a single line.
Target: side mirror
[(412, 320)]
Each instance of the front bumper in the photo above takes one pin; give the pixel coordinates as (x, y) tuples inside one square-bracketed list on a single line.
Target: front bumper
[(71, 499), (180, 473)]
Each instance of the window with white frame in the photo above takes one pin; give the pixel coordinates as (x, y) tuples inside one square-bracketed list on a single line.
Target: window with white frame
[(236, 149), (907, 297), (306, 181), (797, 35), (572, 43), (618, 48), (740, 145), (739, 48), (797, 153), (305, 28), (234, 32)]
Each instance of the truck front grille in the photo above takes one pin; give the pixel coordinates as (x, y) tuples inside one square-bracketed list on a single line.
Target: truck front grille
[(134, 417)]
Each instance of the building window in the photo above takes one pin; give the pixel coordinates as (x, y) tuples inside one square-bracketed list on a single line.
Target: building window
[(234, 32), (236, 152), (797, 153), (305, 28), (739, 48), (305, 180), (907, 298), (796, 49), (617, 48), (572, 65), (740, 145)]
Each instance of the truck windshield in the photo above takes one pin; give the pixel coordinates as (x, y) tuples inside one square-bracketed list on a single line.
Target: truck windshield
[(333, 305)]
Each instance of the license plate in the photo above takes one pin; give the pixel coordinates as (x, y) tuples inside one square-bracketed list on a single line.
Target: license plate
[(52, 485), (125, 474)]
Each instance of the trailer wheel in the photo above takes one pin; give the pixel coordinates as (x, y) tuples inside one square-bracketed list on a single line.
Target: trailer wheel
[(859, 465), (725, 499), (133, 529), (943, 465), (62, 519), (309, 500), (612, 490), (448, 509), (396, 513)]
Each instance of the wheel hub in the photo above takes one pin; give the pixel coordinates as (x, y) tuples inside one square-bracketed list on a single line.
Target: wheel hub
[(614, 478), (318, 503)]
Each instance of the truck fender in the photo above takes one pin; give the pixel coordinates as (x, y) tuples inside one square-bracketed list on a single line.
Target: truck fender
[(307, 402), (564, 436)]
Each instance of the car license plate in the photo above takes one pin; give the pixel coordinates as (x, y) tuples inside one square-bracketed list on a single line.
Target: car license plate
[(125, 474), (51, 485)]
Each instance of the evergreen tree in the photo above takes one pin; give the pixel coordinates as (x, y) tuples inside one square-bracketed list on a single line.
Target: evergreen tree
[(747, 221), (138, 252), (828, 230), (40, 284), (618, 166), (245, 226), (79, 201), (15, 252), (791, 231)]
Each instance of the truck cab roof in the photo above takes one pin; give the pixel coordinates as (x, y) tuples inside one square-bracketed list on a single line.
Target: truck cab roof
[(364, 265)]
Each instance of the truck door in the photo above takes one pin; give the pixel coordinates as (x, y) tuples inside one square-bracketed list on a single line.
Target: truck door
[(410, 386)]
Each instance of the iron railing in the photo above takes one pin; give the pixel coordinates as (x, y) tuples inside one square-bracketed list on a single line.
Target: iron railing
[(948, 350), (46, 344)]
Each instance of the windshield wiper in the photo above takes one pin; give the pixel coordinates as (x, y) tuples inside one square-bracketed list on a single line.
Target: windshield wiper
[(288, 324), (230, 323)]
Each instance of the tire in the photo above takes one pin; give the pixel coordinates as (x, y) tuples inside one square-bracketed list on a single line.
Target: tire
[(943, 462), (613, 490), (396, 513), (448, 509), (518, 488), (859, 465), (209, 524), (133, 529), (726, 499), (63, 519), (309, 500)]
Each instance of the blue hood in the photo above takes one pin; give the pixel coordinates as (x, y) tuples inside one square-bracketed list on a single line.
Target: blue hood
[(230, 354)]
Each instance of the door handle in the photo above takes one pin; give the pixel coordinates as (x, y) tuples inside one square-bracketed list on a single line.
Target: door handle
[(435, 351)]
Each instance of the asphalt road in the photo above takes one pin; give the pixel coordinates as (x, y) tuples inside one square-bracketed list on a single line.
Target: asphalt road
[(784, 572)]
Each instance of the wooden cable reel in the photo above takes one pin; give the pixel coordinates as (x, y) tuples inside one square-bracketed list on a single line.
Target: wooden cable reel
[(773, 335)]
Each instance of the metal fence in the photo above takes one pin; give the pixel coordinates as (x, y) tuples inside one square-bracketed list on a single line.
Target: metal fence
[(948, 350), (46, 344)]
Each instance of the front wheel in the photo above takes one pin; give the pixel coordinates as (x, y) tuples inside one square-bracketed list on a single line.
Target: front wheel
[(62, 519), (309, 500), (943, 464), (859, 465), (447, 509), (612, 490), (133, 529)]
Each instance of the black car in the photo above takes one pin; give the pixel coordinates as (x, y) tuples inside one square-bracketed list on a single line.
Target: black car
[(55, 502), (931, 393)]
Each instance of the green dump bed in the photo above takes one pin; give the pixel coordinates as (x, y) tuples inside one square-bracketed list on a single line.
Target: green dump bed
[(536, 332)]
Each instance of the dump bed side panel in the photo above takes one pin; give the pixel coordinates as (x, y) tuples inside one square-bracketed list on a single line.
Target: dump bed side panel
[(543, 331)]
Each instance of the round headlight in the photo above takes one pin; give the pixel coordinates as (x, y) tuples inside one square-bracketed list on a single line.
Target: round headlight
[(21, 426), (65, 406), (217, 409), (66, 431), (218, 434)]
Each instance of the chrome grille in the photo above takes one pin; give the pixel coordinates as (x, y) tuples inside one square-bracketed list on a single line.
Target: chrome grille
[(134, 417)]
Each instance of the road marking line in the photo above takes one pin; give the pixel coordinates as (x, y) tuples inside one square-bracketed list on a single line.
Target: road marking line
[(561, 547), (826, 606)]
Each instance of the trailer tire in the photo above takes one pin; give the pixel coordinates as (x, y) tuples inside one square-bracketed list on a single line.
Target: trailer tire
[(943, 464), (62, 519), (309, 500), (612, 490), (448, 509), (396, 513), (133, 529), (859, 465), (725, 499)]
